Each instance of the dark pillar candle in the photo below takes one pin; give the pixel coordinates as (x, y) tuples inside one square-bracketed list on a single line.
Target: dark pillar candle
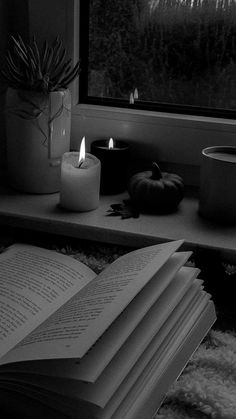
[(114, 165)]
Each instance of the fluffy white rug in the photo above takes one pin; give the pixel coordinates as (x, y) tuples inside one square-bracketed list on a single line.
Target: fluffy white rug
[(207, 386)]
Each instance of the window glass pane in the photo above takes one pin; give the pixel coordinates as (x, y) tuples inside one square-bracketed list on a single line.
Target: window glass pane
[(170, 51)]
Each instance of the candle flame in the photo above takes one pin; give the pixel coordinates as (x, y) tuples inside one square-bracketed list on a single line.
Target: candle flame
[(111, 143), (135, 93), (131, 99), (82, 152)]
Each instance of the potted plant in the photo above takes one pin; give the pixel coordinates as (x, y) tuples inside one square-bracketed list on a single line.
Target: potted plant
[(38, 113)]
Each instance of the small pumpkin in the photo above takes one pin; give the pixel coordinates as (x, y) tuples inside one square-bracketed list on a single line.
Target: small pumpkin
[(155, 192)]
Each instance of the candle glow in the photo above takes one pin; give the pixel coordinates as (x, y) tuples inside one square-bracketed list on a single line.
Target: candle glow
[(82, 153), (111, 143), (136, 93), (131, 99)]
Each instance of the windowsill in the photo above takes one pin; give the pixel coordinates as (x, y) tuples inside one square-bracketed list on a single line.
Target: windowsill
[(150, 117), (42, 213), (154, 136)]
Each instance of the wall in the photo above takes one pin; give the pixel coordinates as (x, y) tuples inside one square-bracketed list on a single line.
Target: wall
[(13, 20), (48, 18), (3, 35)]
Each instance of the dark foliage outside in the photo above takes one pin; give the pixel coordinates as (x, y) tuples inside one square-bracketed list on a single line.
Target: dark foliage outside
[(172, 51)]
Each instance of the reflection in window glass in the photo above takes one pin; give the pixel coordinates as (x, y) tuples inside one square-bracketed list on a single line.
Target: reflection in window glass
[(164, 51)]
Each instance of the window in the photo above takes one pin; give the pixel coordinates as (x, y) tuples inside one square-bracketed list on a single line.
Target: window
[(163, 136), (171, 55)]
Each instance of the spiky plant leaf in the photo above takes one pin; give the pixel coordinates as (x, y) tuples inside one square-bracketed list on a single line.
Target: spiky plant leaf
[(27, 67), (21, 42), (44, 56), (70, 77), (20, 51), (61, 71)]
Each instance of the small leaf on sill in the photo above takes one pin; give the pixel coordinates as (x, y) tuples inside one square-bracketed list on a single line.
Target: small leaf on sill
[(125, 210)]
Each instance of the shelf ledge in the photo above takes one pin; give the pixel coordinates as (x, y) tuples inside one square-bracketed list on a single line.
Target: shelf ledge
[(42, 213)]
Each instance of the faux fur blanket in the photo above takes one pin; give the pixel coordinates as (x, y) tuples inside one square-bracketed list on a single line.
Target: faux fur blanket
[(207, 386)]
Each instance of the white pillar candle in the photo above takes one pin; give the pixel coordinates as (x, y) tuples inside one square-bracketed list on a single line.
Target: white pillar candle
[(80, 183)]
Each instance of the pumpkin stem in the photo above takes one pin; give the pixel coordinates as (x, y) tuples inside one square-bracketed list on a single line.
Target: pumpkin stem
[(156, 172)]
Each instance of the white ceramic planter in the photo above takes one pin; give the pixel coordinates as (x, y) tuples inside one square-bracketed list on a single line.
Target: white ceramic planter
[(38, 133)]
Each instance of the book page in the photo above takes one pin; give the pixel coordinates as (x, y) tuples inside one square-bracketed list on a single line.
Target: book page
[(97, 358), (146, 403), (99, 394), (177, 293), (157, 368), (34, 283), (155, 358), (79, 323)]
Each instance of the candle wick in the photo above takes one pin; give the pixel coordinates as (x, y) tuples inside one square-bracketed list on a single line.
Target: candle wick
[(80, 164)]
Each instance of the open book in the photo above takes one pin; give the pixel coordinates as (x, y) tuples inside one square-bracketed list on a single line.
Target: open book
[(97, 346)]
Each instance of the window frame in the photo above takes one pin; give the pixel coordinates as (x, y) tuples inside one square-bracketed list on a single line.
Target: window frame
[(176, 139), (142, 105)]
